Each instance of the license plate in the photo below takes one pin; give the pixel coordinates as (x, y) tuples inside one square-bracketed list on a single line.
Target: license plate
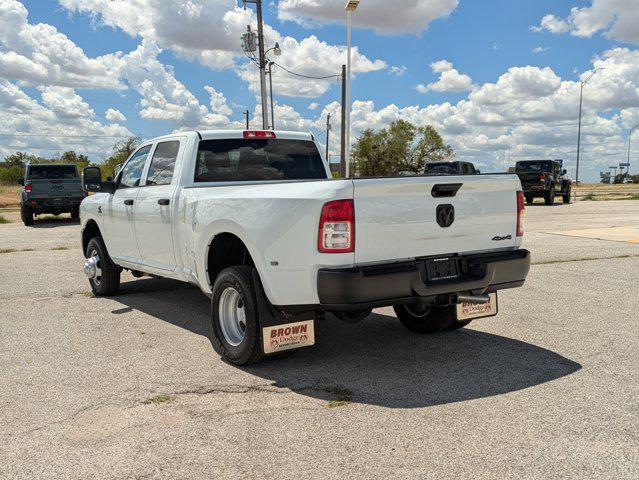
[(57, 188), (289, 336), (472, 311), (441, 269)]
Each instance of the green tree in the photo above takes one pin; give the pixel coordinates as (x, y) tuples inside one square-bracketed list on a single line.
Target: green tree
[(402, 148), (121, 152), (82, 161)]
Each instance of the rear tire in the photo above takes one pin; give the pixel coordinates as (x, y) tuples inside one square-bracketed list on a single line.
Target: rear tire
[(26, 213), (108, 282), (234, 314), (530, 200), (425, 320), (549, 196), (75, 213), (567, 197)]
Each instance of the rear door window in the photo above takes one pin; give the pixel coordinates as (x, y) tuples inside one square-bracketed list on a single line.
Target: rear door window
[(233, 160), (163, 164), (53, 172), (132, 171)]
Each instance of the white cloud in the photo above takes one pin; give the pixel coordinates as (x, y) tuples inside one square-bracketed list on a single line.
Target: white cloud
[(553, 24), (411, 16), (617, 19), (40, 55), (62, 121), (540, 49), (313, 106), (398, 71), (206, 30), (113, 115), (450, 80), (209, 31), (529, 112)]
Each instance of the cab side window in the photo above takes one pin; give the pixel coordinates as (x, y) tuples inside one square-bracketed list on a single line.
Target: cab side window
[(163, 164), (132, 171)]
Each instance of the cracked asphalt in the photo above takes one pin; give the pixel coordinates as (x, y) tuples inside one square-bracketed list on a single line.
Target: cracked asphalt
[(129, 387)]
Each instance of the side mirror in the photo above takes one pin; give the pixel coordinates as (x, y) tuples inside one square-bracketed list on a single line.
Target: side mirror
[(21, 181), (564, 172), (92, 181), (477, 172)]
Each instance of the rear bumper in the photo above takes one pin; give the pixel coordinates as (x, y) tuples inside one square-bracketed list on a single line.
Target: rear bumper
[(383, 285), (534, 189), (54, 205)]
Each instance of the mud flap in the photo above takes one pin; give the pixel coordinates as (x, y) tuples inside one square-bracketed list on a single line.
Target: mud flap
[(281, 331)]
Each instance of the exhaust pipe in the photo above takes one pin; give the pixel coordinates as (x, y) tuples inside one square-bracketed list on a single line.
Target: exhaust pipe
[(474, 299)]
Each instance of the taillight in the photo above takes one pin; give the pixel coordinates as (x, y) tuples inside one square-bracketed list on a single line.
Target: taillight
[(337, 227), (542, 178), (258, 134), (27, 188), (521, 210)]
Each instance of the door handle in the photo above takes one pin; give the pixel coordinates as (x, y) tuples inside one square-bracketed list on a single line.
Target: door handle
[(164, 201), (128, 203)]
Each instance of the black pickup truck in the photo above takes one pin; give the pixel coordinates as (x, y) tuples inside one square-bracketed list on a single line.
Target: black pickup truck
[(53, 189), (544, 178), (450, 168)]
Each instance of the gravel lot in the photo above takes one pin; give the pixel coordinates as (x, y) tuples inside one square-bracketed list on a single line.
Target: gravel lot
[(130, 387)]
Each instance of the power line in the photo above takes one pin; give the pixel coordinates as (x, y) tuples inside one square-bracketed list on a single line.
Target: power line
[(310, 77)]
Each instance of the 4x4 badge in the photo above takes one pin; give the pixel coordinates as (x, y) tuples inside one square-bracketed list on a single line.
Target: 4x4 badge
[(502, 239)]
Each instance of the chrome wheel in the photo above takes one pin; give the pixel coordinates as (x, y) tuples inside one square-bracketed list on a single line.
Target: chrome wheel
[(97, 276), (232, 316)]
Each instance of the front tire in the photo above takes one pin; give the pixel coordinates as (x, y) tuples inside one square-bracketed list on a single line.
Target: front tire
[(425, 320), (549, 197), (26, 213), (234, 314), (107, 280), (567, 197)]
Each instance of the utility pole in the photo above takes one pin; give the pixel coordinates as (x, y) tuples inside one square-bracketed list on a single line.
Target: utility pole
[(581, 105), (342, 164), (270, 77), (328, 137), (261, 60), (247, 113)]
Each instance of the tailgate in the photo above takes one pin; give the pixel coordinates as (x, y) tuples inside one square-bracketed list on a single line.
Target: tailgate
[(56, 188), (533, 178), (396, 218)]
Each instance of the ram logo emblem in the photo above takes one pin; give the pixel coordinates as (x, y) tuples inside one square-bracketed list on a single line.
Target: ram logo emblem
[(445, 215)]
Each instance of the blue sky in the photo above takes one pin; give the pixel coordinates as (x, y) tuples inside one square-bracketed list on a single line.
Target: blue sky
[(530, 112)]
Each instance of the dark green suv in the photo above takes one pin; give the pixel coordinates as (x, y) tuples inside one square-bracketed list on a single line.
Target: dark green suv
[(544, 178), (53, 189)]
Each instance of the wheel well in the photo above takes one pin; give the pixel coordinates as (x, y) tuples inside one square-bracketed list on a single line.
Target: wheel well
[(90, 230), (226, 250)]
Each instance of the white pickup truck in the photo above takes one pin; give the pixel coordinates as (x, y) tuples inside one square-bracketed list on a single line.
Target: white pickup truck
[(255, 220)]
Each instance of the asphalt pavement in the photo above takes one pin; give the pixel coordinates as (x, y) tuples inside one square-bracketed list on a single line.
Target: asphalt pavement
[(130, 387)]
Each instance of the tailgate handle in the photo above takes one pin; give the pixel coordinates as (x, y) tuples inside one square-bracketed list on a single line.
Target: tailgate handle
[(446, 190)]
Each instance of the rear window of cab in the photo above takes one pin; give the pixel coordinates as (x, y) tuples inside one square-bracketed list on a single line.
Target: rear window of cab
[(52, 172), (232, 160)]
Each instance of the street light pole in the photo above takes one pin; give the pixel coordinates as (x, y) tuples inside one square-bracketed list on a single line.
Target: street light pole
[(629, 138), (351, 6), (581, 104)]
